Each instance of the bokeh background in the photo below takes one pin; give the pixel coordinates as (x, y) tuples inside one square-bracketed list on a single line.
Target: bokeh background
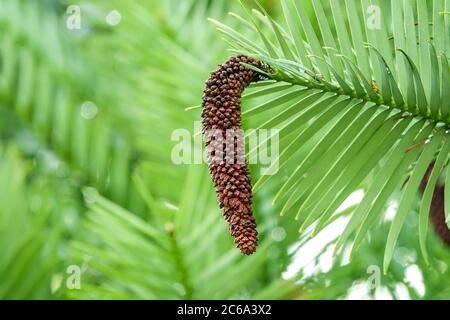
[(91, 204)]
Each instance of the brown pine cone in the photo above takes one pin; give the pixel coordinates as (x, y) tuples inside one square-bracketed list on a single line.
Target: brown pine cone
[(221, 115), (437, 210)]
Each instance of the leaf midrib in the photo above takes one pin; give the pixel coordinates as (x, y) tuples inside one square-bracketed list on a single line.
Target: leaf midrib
[(405, 108)]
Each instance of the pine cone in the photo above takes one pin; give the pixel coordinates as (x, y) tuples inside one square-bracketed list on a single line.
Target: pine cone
[(437, 210), (221, 115)]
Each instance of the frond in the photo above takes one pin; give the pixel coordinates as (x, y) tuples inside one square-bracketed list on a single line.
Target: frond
[(362, 98)]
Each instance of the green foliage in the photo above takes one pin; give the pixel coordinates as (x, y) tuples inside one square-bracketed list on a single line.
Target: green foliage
[(35, 219), (85, 146), (172, 257), (363, 270), (43, 83), (85, 130)]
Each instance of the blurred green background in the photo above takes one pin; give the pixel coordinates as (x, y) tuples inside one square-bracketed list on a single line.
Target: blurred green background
[(91, 205)]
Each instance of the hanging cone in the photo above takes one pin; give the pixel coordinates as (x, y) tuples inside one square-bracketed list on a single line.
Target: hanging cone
[(437, 211), (221, 116)]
